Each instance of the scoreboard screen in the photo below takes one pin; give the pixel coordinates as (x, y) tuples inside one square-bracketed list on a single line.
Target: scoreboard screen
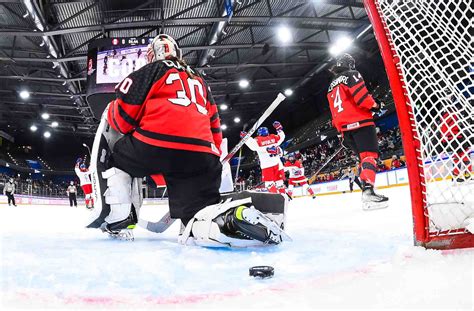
[(109, 61)]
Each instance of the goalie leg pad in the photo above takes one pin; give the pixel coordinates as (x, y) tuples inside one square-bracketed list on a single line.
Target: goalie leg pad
[(237, 223), (104, 141)]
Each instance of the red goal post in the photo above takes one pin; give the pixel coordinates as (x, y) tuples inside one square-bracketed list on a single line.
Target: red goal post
[(396, 30)]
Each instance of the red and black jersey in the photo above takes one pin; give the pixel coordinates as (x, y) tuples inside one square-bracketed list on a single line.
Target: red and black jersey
[(165, 107), (350, 101)]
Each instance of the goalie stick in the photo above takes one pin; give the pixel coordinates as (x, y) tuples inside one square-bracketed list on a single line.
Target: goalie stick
[(166, 221)]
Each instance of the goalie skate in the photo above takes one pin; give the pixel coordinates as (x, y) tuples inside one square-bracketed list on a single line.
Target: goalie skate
[(373, 201), (123, 234), (249, 215)]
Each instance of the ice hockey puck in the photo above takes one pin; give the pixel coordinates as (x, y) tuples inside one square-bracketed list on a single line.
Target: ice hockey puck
[(261, 271)]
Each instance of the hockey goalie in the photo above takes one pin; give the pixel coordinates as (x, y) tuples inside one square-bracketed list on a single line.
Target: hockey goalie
[(164, 121)]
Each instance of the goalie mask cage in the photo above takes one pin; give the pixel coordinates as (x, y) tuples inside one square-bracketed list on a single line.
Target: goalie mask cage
[(428, 56)]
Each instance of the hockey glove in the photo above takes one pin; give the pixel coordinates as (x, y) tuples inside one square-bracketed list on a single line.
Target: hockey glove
[(273, 151), (377, 108), (242, 134), (277, 125), (79, 160)]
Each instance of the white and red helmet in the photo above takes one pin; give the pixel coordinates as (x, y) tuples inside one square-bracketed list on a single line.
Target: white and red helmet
[(163, 47)]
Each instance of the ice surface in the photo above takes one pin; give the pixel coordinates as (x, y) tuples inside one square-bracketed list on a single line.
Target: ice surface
[(340, 257)]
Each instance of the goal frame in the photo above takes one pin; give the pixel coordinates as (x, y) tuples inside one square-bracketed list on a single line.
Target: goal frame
[(411, 143)]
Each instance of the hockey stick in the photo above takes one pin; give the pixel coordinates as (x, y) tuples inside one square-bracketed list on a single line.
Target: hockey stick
[(311, 179), (280, 97), (166, 221)]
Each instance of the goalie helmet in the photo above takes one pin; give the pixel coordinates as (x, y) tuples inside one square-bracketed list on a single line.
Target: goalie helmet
[(345, 60), (163, 47)]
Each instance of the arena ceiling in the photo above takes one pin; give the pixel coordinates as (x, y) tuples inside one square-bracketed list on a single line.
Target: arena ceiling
[(43, 46)]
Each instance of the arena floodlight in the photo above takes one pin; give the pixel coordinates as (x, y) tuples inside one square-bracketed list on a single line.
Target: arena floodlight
[(54, 124), (284, 34), (244, 83), (25, 94), (47, 134), (223, 107), (341, 45), (288, 92), (33, 128), (45, 116), (236, 119), (223, 127)]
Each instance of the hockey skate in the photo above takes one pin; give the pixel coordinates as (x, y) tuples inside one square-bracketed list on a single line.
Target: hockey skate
[(373, 201), (249, 223), (121, 230)]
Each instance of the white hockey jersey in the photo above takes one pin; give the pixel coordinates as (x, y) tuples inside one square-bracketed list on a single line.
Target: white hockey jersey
[(260, 144), (84, 177)]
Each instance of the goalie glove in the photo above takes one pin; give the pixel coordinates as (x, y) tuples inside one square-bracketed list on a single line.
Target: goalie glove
[(242, 134), (278, 127)]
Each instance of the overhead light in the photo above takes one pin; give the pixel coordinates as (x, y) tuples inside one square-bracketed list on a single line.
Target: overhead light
[(59, 76), (236, 119), (244, 83), (224, 107), (284, 34), (45, 116), (25, 94), (47, 134), (223, 127), (341, 45), (54, 124), (33, 128), (288, 92)]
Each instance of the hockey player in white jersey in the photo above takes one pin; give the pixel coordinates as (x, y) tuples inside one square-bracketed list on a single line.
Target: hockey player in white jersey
[(268, 149), (297, 177), (85, 181)]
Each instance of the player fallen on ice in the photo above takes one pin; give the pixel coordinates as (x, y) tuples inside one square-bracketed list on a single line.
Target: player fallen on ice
[(268, 150), (352, 107), (85, 182), (9, 191), (164, 121), (297, 177)]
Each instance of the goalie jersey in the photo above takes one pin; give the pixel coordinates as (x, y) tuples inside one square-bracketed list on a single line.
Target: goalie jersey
[(350, 101), (160, 105)]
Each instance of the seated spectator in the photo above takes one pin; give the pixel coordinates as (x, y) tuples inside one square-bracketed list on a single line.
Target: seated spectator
[(396, 163)]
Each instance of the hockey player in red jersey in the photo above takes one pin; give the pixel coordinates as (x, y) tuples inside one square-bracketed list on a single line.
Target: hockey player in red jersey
[(85, 181), (268, 149), (164, 121), (351, 107), (297, 177)]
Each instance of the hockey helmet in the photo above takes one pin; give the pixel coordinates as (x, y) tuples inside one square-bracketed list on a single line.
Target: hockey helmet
[(163, 47), (11, 180), (292, 157), (263, 131), (345, 60)]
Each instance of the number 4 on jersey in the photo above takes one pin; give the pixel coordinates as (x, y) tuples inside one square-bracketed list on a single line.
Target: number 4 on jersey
[(338, 101)]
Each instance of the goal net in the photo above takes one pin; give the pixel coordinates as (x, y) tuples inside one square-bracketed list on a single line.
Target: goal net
[(427, 50)]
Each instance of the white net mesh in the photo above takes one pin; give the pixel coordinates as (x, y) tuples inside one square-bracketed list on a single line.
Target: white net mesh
[(433, 41)]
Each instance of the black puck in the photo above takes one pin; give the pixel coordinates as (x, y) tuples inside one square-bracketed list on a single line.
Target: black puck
[(261, 271)]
